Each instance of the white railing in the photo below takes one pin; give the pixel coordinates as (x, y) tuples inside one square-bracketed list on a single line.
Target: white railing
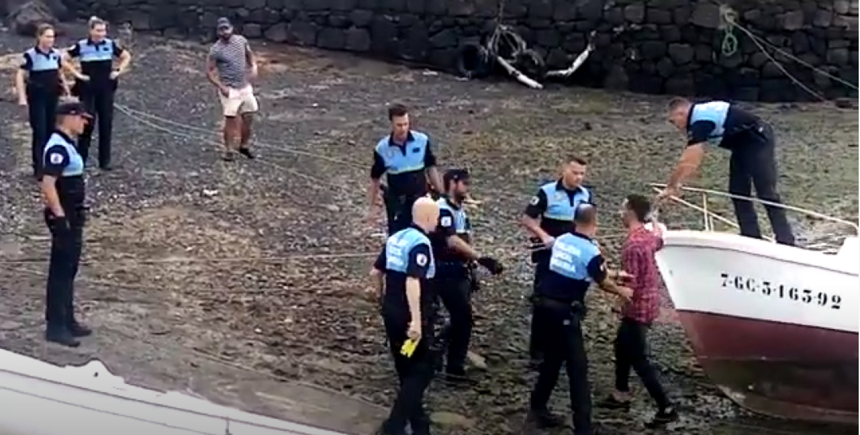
[(709, 216)]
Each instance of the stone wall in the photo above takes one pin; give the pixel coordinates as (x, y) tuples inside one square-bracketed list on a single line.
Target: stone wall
[(651, 46)]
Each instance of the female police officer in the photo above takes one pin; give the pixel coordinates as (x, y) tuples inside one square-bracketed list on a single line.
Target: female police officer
[(63, 190), (39, 84)]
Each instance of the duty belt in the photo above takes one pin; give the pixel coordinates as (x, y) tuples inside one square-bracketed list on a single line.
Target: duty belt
[(576, 307)]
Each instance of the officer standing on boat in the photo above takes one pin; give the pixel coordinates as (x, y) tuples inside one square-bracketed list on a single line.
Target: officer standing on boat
[(408, 159), (455, 279), (64, 192), (753, 159), (549, 215), (408, 266), (98, 85), (575, 262)]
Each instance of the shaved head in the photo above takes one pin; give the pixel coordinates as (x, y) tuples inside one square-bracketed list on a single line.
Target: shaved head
[(425, 213)]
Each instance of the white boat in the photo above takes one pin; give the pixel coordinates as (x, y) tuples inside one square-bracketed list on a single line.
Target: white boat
[(773, 326), (43, 399)]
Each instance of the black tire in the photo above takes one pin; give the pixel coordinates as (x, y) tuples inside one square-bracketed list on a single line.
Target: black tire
[(530, 63), (473, 61)]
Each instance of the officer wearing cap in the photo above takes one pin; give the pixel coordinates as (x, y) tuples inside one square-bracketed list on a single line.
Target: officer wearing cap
[(455, 280), (97, 86), (549, 215), (407, 263), (63, 189), (575, 262), (407, 157), (40, 83)]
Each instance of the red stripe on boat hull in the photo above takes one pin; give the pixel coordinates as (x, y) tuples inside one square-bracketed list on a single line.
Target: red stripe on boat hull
[(778, 369)]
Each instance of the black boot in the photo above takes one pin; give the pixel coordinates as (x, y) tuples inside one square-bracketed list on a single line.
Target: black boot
[(79, 329), (543, 419), (61, 336)]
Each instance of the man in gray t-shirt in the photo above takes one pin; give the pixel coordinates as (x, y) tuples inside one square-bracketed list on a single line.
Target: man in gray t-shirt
[(229, 66)]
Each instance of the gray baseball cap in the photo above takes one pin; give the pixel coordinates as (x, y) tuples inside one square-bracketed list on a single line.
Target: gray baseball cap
[(224, 23)]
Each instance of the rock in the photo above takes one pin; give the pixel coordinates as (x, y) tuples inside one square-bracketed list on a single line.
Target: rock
[(823, 18), (681, 86), (451, 420), (653, 49), (10, 325), (617, 79), (357, 39), (707, 15), (302, 33), (792, 20), (634, 13), (837, 56), (477, 361), (332, 39), (681, 53), (251, 30), (361, 18), (277, 33), (842, 103), (658, 16), (25, 18)]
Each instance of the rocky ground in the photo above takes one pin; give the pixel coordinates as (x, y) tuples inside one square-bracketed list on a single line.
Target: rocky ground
[(244, 281)]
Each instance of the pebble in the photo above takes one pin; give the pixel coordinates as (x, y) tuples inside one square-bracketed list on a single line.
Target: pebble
[(450, 419)]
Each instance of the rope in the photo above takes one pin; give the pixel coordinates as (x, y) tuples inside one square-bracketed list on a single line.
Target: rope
[(730, 44), (766, 203), (151, 124), (135, 114), (504, 37)]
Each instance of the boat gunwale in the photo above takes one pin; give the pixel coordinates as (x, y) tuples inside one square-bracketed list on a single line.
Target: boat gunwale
[(303, 429), (716, 240)]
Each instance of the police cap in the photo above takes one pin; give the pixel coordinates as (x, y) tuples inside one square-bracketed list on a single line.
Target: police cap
[(72, 108)]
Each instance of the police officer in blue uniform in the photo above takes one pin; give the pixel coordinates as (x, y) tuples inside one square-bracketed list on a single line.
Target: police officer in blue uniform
[(575, 262), (407, 157), (408, 266), (549, 214), (40, 83), (455, 278), (752, 163), (96, 89), (63, 189)]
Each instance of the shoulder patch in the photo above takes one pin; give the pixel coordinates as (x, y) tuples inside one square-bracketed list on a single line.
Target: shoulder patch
[(56, 158), (535, 200), (421, 259), (446, 221)]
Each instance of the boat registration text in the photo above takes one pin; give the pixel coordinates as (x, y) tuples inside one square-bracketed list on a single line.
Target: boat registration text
[(781, 291)]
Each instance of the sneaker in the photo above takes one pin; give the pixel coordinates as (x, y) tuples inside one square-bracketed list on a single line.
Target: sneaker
[(543, 419), (663, 417), (228, 156), (246, 152)]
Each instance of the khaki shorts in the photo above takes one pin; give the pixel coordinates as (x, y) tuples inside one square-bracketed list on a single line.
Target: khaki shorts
[(239, 101)]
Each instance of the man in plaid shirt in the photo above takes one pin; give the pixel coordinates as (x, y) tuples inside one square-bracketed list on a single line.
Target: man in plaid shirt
[(631, 346)]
